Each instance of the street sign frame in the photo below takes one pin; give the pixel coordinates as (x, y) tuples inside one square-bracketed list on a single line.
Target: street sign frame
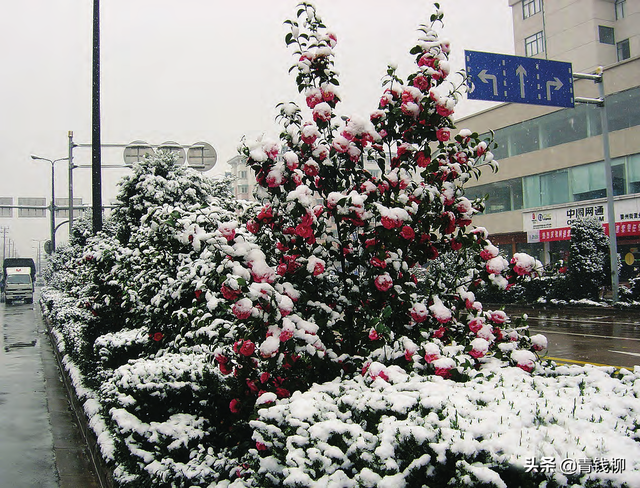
[(518, 79)]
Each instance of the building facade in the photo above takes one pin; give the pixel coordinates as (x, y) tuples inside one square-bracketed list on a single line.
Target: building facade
[(551, 160)]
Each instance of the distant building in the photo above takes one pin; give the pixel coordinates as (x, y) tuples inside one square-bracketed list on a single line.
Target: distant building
[(551, 160)]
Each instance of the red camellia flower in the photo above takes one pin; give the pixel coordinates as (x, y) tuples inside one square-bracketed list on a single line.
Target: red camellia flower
[(198, 293), (253, 226), (455, 245), (422, 160), (378, 263), (260, 446), (443, 135), (408, 233), (443, 372), (234, 405), (439, 333), (246, 348), (283, 393), (373, 335)]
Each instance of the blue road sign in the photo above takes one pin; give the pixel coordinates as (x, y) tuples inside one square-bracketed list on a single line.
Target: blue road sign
[(504, 78)]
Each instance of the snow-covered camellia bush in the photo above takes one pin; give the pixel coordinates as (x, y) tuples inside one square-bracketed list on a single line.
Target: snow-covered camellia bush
[(221, 343)]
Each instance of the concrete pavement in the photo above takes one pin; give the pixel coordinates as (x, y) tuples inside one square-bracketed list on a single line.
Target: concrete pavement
[(40, 442)]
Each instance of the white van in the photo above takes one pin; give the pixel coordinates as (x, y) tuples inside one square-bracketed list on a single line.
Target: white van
[(18, 285)]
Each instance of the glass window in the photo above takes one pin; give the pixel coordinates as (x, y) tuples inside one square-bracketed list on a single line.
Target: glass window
[(503, 196), (530, 7), (546, 189), (32, 212), (534, 44), (6, 212), (606, 35), (242, 175), (623, 109), (563, 126), (588, 181), (624, 52), (524, 138), (554, 187), (633, 171), (620, 4), (619, 176), (243, 188)]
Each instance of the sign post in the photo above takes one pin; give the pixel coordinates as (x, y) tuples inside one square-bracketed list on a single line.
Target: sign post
[(504, 78)]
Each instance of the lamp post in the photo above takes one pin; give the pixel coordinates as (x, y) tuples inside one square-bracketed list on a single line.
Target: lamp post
[(53, 196)]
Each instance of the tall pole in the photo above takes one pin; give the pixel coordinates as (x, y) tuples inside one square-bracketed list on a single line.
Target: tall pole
[(70, 185), (53, 206), (598, 78), (96, 163), (613, 245)]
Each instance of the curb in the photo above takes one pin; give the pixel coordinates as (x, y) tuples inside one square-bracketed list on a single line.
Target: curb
[(103, 472)]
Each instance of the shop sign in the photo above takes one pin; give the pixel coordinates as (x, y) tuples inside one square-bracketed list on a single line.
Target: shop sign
[(555, 224)]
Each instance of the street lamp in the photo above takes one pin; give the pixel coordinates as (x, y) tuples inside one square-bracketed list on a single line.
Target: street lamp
[(53, 197)]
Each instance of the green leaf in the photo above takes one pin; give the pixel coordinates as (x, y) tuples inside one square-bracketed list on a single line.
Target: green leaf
[(288, 39)]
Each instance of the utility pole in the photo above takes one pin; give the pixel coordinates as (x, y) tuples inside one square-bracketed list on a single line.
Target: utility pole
[(598, 78), (96, 163)]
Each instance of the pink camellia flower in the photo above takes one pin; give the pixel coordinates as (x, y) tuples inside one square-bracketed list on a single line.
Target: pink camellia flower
[(443, 110), (373, 335), (313, 97), (419, 312), (234, 405), (496, 265), (499, 317), (489, 252), (439, 332), (228, 230), (285, 335), (341, 144), (378, 263), (421, 82), (443, 134), (443, 371), (318, 268), (242, 308), (408, 233), (383, 282), (538, 342), (322, 112), (525, 360), (230, 293), (479, 348), (309, 133), (476, 324)]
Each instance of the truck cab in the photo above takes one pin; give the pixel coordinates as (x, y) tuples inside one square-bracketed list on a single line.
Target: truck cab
[(18, 285)]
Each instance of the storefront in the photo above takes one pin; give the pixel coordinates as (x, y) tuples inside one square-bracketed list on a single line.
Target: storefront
[(548, 230)]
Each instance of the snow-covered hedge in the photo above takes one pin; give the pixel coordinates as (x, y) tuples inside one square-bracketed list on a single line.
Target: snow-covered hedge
[(191, 312)]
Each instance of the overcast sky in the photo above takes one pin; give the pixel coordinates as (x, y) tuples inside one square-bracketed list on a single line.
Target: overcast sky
[(192, 70)]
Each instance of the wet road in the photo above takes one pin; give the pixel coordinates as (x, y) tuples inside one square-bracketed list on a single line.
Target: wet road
[(26, 439), (608, 337)]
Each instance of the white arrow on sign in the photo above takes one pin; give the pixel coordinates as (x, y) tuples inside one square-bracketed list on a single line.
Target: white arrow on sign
[(485, 77), (521, 72), (556, 83)]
